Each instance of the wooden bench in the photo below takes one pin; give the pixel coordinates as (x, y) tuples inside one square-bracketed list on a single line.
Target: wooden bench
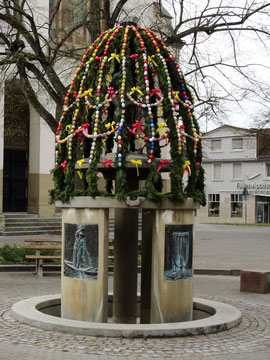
[(39, 245)]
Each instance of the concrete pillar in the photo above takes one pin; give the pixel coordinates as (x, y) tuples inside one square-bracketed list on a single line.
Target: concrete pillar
[(85, 292), (172, 283), (125, 266), (146, 264)]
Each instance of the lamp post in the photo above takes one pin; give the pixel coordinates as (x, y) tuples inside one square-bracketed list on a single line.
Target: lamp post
[(245, 195)]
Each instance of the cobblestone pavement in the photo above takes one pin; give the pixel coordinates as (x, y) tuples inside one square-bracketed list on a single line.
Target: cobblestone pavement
[(250, 340)]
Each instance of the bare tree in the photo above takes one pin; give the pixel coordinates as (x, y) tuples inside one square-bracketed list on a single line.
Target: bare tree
[(221, 40), (42, 51)]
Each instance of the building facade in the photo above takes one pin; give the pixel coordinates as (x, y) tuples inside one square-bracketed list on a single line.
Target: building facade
[(237, 173)]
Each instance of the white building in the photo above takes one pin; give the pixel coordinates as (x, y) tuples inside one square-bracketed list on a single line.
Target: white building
[(27, 144), (236, 160)]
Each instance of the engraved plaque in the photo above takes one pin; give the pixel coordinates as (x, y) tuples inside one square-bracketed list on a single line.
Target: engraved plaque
[(81, 251), (178, 252)]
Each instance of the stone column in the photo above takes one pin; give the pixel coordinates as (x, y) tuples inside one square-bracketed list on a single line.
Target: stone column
[(85, 264), (41, 162), (2, 114), (172, 269), (125, 266), (146, 264)]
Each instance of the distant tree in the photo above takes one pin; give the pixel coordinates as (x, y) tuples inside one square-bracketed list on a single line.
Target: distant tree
[(208, 35)]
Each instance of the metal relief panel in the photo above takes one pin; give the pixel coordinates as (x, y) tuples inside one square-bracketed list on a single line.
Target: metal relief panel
[(178, 252), (81, 251)]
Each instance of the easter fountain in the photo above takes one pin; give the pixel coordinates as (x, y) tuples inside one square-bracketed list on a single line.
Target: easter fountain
[(127, 104)]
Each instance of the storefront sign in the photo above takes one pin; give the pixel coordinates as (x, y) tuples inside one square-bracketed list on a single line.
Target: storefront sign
[(253, 186)]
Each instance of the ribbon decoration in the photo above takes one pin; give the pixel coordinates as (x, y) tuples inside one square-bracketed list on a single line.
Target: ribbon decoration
[(137, 125), (161, 127), (110, 125), (187, 167), (162, 162), (137, 88), (107, 163), (85, 128), (136, 163), (87, 92), (80, 162), (134, 56), (155, 92), (114, 56), (160, 111), (176, 94), (64, 165), (111, 90), (80, 174), (68, 127), (151, 60)]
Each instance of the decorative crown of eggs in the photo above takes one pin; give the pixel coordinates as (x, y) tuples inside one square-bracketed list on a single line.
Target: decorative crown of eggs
[(128, 95)]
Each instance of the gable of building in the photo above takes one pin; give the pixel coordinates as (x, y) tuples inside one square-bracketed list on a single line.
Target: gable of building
[(228, 131)]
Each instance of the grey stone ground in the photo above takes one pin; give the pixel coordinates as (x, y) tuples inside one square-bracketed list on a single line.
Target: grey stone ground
[(214, 248)]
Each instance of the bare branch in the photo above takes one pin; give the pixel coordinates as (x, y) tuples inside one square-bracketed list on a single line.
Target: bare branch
[(32, 97), (116, 12)]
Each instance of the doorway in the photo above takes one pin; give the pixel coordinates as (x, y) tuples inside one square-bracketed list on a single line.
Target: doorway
[(16, 144), (15, 181), (262, 215)]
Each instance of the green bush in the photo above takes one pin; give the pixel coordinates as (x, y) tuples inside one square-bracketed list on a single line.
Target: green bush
[(15, 254)]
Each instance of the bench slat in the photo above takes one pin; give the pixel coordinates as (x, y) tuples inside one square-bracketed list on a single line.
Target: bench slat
[(43, 247), (43, 240), (44, 257)]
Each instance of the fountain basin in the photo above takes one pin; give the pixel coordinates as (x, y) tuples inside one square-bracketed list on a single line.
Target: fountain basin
[(44, 311)]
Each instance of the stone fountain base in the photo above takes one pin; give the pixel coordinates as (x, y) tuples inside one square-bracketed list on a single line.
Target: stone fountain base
[(208, 317)]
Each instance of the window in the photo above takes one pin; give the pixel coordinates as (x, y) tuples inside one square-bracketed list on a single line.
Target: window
[(213, 204), (236, 205), (215, 145), (65, 15), (237, 144), (267, 170), (217, 172), (237, 171)]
